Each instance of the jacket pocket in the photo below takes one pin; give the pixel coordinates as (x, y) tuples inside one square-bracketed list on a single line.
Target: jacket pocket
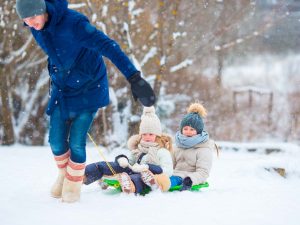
[(78, 79)]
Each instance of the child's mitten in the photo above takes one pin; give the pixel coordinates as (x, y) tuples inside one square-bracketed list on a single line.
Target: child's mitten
[(122, 160), (137, 168), (186, 184)]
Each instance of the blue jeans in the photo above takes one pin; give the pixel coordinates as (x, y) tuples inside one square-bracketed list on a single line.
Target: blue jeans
[(70, 134), (175, 180)]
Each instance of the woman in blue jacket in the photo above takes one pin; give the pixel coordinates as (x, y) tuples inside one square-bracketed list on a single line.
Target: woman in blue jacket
[(79, 84)]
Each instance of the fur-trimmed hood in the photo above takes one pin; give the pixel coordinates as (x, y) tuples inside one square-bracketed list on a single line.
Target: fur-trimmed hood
[(133, 142)]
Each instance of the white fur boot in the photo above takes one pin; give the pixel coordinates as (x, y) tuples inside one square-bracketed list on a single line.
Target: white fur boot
[(57, 186), (62, 162), (72, 182)]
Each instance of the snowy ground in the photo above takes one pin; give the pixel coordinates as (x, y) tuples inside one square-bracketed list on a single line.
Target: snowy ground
[(241, 192)]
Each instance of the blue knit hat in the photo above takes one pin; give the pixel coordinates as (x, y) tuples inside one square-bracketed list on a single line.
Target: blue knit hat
[(196, 112), (29, 8)]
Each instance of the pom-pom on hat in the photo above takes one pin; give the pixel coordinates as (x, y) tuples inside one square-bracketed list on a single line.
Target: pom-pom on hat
[(194, 118), (150, 122), (29, 8)]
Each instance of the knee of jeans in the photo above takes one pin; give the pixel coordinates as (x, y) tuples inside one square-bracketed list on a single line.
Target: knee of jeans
[(77, 146), (77, 151), (78, 157), (58, 148), (175, 180)]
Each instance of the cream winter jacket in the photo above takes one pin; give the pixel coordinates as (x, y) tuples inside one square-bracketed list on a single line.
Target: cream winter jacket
[(163, 157), (195, 162)]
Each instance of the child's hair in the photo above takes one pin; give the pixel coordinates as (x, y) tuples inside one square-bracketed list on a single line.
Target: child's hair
[(165, 141)]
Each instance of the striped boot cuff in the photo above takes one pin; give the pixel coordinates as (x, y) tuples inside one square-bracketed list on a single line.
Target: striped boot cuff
[(62, 160), (75, 171)]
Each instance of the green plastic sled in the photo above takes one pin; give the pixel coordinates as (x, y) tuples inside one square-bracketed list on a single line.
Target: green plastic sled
[(115, 184), (195, 187)]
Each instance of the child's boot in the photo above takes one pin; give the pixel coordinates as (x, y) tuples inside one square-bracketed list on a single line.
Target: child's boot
[(163, 182), (73, 181), (126, 183), (61, 162), (149, 179)]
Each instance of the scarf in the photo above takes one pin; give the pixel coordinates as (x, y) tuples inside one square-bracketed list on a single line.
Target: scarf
[(150, 149), (189, 142)]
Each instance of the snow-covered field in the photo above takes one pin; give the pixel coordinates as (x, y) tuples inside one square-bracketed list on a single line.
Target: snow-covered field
[(241, 191)]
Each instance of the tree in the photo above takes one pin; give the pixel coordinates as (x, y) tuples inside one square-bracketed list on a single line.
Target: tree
[(18, 59)]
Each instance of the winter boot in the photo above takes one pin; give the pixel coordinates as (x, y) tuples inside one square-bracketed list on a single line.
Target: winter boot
[(73, 181), (102, 184), (61, 162), (149, 179), (126, 183), (163, 182)]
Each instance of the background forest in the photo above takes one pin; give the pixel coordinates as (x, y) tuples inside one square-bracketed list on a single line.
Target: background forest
[(239, 58)]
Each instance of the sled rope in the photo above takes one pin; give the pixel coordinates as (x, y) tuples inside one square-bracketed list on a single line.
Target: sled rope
[(100, 152)]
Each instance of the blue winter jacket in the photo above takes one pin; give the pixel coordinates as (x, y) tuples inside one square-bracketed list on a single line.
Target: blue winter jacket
[(76, 67)]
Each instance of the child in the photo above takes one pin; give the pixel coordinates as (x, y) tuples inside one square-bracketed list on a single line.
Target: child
[(193, 154), (150, 155)]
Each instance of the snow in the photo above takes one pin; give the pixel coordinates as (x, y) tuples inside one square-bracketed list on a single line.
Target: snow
[(126, 28), (18, 52), (76, 6), (265, 71), (152, 52), (254, 89), (132, 10), (104, 10), (181, 65), (241, 191)]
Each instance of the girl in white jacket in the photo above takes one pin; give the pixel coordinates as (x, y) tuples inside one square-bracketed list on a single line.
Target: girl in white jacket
[(150, 156)]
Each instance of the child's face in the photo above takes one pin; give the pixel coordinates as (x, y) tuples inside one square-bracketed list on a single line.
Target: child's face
[(36, 22), (148, 137), (189, 131)]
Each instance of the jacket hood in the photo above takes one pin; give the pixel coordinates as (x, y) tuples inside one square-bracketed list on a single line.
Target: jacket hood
[(56, 10), (133, 142)]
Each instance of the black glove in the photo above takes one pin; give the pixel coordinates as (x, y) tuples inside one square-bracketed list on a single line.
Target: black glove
[(186, 184), (141, 90)]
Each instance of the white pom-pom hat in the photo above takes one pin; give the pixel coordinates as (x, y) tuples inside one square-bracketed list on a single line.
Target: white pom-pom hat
[(150, 122)]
